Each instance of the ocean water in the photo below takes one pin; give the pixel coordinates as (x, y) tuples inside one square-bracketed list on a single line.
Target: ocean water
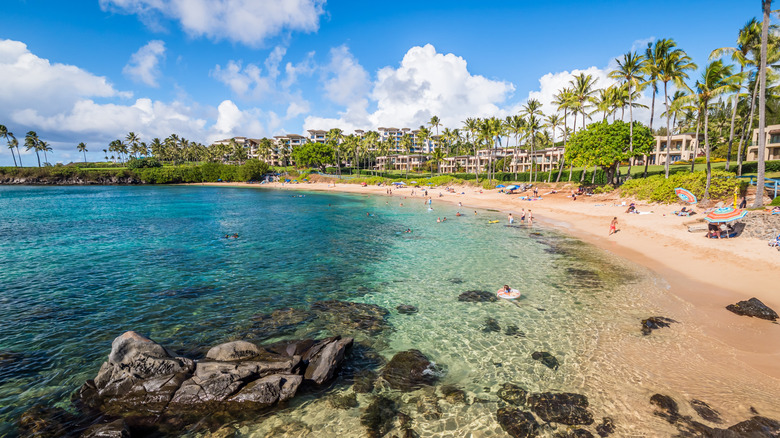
[(81, 265)]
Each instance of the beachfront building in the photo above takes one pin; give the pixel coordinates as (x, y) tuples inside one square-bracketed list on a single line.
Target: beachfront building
[(317, 135), (250, 144), (282, 148), (683, 147), (772, 150), (401, 162)]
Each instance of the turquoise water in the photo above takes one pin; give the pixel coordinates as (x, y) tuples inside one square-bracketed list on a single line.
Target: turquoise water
[(81, 265)]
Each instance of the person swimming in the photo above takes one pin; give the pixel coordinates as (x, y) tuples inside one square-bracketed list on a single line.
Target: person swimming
[(458, 214)]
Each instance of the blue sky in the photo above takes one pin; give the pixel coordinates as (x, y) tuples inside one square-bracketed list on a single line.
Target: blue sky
[(207, 69)]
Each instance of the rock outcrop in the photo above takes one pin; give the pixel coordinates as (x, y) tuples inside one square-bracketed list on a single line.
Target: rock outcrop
[(409, 370), (142, 378), (655, 323), (753, 307), (477, 296)]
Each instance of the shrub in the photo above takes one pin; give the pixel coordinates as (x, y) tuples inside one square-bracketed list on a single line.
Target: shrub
[(210, 171), (253, 170), (142, 163), (658, 189), (228, 173)]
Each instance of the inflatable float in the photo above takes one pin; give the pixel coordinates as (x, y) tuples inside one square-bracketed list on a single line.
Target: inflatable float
[(511, 295), (493, 222)]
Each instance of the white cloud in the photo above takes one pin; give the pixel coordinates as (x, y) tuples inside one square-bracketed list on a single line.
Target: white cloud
[(27, 81), (144, 64), (426, 83), (346, 82), (248, 22)]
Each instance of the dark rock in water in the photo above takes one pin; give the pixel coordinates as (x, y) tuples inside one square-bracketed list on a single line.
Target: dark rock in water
[(491, 325), (574, 433), (344, 401), (348, 317), (364, 381), (404, 421), (324, 357), (45, 422), (546, 358), (758, 427), (281, 320), (267, 391), (379, 416), (513, 330), (606, 428), (453, 394), (753, 411), (654, 323), (517, 423), (456, 280), (428, 407), (236, 350), (114, 429), (409, 370), (513, 394), (564, 408), (669, 409), (705, 411), (406, 309), (753, 307), (290, 429), (477, 296)]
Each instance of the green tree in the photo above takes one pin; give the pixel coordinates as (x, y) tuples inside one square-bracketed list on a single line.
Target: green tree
[(673, 68), (553, 122), (8, 136), (44, 146), (253, 170), (654, 55), (471, 126), (317, 155), (607, 144), (334, 137)]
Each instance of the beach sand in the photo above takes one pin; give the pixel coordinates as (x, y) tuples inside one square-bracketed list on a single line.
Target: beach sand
[(706, 274)]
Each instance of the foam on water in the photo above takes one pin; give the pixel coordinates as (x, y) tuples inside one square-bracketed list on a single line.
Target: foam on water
[(83, 264)]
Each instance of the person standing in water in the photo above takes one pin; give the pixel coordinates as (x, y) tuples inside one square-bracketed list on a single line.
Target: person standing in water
[(530, 218), (511, 219), (613, 226)]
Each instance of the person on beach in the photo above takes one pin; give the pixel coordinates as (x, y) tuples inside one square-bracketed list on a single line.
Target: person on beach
[(460, 204), (536, 192), (511, 219), (522, 216), (613, 226), (530, 218), (743, 203)]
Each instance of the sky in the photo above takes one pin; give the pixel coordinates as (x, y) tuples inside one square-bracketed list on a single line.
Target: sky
[(93, 70)]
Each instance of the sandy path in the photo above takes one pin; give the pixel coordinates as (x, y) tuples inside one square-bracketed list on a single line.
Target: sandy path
[(707, 273)]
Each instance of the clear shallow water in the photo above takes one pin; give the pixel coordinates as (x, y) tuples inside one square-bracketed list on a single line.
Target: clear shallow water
[(81, 265)]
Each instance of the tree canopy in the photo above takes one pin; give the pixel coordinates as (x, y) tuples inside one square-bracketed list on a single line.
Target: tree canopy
[(607, 144), (313, 155)]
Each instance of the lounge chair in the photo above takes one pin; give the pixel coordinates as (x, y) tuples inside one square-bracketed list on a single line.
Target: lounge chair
[(775, 242)]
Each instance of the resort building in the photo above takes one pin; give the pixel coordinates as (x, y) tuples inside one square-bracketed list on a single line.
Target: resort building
[(772, 149), (317, 135), (683, 147), (283, 147), (401, 162)]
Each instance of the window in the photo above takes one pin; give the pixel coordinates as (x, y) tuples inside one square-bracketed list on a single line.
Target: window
[(774, 138)]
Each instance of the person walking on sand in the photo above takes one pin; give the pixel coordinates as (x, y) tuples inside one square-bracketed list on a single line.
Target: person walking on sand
[(613, 226), (511, 219)]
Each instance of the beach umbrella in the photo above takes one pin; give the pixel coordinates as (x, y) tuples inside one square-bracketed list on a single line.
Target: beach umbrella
[(725, 214), (287, 180), (413, 182), (500, 186), (513, 187), (398, 183), (685, 195)]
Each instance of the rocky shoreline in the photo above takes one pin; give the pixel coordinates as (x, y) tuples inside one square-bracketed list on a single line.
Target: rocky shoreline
[(98, 180)]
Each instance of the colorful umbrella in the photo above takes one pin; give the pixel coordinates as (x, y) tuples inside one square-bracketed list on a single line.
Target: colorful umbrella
[(398, 183), (725, 214), (500, 186), (513, 187), (685, 195)]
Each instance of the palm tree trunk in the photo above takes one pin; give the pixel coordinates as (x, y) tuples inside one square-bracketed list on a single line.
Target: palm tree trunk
[(696, 146), (707, 151), (766, 4), (39, 157), (630, 130), (20, 156), (749, 131), (733, 119), (652, 112), (668, 134), (13, 155)]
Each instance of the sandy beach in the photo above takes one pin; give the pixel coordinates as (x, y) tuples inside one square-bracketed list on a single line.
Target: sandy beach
[(706, 274)]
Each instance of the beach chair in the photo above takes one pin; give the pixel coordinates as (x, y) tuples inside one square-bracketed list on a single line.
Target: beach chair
[(775, 242)]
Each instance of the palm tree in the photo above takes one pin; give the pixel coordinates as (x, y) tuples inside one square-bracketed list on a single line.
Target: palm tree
[(553, 121), (31, 142), (516, 127), (679, 105), (334, 137), (435, 123), (44, 146), (673, 68), (14, 143), (438, 157), (766, 6), (630, 72), (749, 36), (563, 100), (654, 54), (406, 143), (132, 140), (471, 125), (8, 136), (716, 80)]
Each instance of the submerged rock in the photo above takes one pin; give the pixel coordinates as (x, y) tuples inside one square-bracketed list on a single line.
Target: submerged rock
[(364, 381), (565, 408), (517, 423), (491, 325), (428, 407), (406, 309), (705, 411), (753, 307), (758, 426), (574, 433), (324, 357), (344, 401), (513, 330), (668, 407), (280, 320), (546, 358), (513, 394), (654, 323), (348, 317), (453, 394), (477, 296), (379, 416), (606, 428), (45, 422), (114, 429), (409, 370)]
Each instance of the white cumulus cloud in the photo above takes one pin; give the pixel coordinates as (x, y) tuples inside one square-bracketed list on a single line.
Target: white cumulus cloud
[(248, 22), (144, 65)]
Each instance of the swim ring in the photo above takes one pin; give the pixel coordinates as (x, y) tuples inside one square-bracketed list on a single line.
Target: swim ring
[(511, 295)]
